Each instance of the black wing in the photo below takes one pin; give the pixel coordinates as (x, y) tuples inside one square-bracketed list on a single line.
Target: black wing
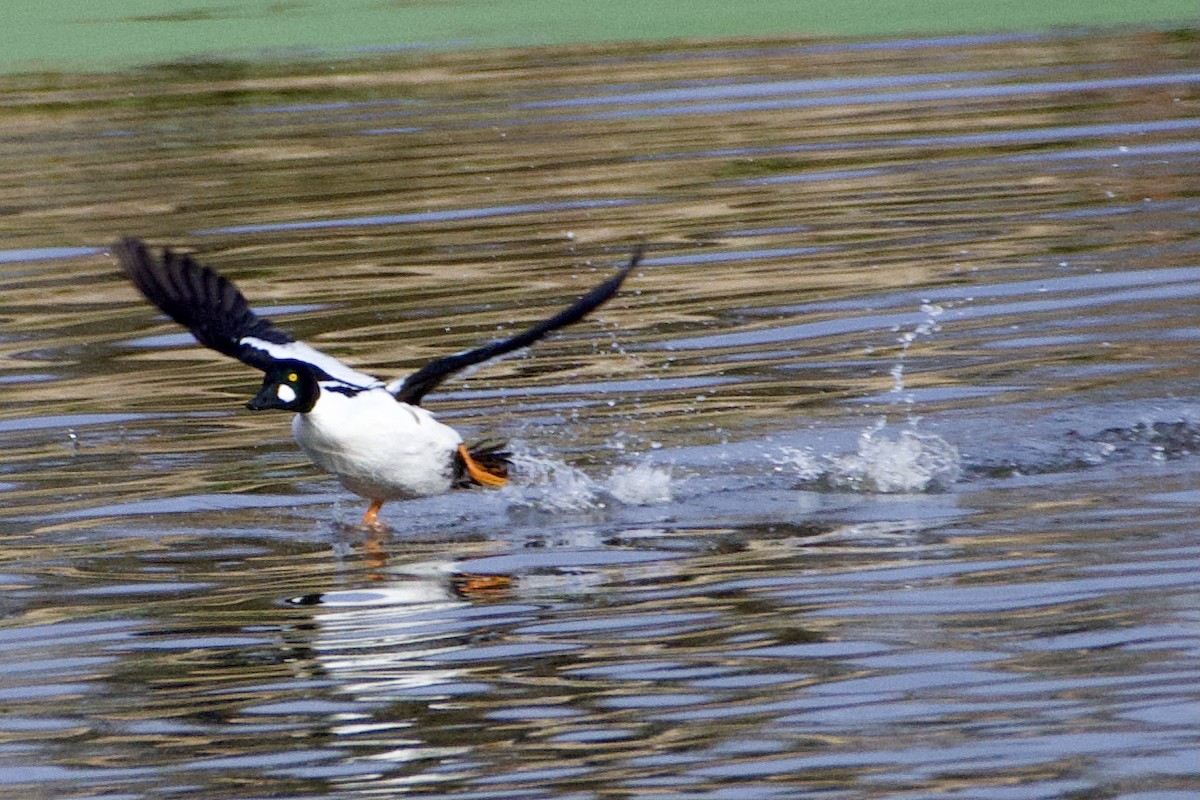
[(217, 314), (421, 382), (200, 300)]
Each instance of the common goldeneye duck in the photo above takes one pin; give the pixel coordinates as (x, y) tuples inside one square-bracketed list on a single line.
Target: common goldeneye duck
[(374, 436)]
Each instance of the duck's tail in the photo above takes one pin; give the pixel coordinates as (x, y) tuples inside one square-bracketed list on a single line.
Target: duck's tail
[(483, 464)]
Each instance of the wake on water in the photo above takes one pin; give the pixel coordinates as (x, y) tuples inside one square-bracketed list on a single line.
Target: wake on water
[(909, 461)]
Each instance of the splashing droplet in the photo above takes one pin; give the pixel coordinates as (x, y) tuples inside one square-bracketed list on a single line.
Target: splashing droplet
[(908, 463), (641, 485)]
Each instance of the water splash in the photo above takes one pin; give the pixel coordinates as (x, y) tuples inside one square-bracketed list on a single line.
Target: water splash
[(641, 484), (909, 462), (807, 465), (927, 327), (549, 484)]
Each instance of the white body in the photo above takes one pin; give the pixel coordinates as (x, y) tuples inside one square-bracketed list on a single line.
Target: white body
[(377, 447)]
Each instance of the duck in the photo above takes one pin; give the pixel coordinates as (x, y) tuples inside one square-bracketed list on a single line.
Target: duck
[(374, 436)]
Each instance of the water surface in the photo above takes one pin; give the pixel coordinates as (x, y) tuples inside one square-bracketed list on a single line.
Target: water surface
[(878, 480)]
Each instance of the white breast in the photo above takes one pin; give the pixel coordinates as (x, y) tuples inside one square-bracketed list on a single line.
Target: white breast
[(378, 448)]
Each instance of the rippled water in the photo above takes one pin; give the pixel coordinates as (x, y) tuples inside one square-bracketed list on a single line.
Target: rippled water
[(879, 479)]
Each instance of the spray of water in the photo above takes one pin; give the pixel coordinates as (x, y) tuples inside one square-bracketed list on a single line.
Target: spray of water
[(548, 484), (927, 327), (641, 484), (907, 461)]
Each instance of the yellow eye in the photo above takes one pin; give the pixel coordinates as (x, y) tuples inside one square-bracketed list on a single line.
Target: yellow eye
[(293, 377)]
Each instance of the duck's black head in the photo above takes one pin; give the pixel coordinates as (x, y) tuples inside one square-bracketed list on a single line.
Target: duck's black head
[(289, 386)]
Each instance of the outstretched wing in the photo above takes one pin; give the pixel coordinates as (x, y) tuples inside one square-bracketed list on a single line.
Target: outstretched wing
[(217, 314), (413, 388)]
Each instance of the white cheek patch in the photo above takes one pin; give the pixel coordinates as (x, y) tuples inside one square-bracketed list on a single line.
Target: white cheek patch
[(285, 393)]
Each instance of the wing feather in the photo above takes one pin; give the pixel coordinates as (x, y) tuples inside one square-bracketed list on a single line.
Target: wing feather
[(217, 313)]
